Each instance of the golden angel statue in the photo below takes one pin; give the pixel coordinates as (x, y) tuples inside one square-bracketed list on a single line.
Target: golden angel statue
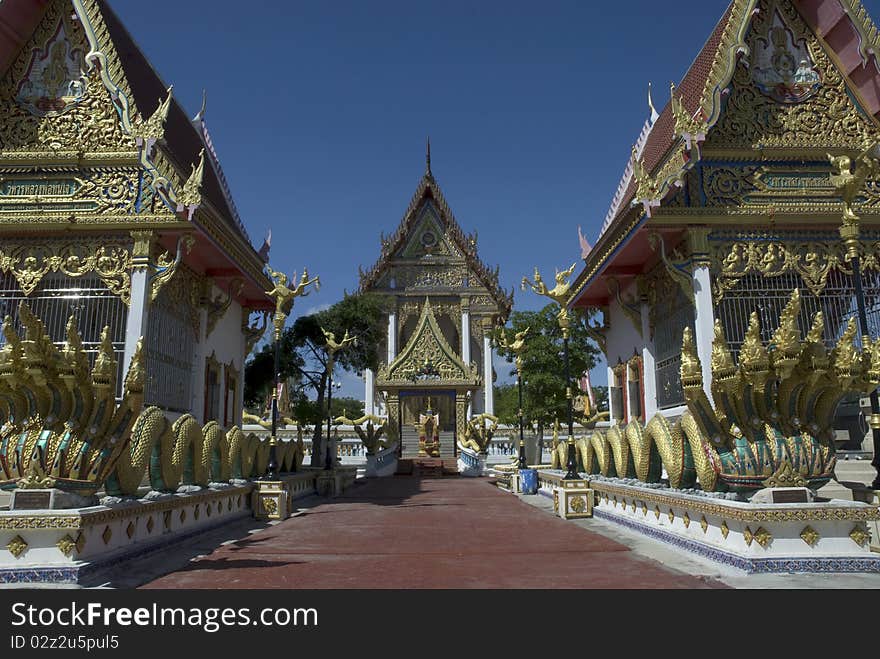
[(285, 296), (332, 346), (516, 346), (559, 293), (848, 182)]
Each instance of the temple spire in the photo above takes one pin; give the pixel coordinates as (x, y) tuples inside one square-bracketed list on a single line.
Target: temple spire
[(654, 114), (428, 158)]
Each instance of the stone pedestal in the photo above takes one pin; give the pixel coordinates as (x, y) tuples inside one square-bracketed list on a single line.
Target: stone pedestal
[(49, 499), (515, 486), (271, 500), (573, 499), (333, 482)]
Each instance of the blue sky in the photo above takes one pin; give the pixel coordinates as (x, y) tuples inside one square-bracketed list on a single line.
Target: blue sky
[(319, 112)]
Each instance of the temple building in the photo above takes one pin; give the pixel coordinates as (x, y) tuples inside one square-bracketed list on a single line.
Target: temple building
[(442, 305), (731, 199), (114, 210)]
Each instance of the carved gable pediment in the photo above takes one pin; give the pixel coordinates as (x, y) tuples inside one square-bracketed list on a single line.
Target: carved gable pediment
[(428, 237), (786, 91), (427, 359), (51, 100)]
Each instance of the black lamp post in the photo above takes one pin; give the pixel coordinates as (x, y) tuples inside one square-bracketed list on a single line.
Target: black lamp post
[(850, 234), (522, 443), (571, 462), (330, 458), (849, 183), (272, 466)]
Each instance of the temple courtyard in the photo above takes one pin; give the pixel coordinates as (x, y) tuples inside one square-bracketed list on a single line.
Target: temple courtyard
[(410, 532)]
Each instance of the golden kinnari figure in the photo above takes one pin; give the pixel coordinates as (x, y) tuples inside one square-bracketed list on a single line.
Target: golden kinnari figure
[(559, 293), (333, 346), (285, 296), (516, 346)]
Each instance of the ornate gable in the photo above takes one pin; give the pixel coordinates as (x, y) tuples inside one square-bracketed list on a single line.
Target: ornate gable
[(52, 102), (429, 250), (427, 359), (786, 92), (428, 237)]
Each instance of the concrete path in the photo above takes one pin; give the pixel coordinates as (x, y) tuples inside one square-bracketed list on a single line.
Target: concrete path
[(407, 532)]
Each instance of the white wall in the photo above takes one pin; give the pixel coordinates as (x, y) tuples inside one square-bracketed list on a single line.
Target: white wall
[(622, 338), (226, 342)]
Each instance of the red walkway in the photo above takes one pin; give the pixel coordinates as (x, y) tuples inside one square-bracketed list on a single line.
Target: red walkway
[(406, 532)]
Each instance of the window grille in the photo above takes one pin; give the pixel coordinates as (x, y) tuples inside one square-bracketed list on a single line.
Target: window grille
[(57, 298), (170, 348), (678, 313), (769, 295)]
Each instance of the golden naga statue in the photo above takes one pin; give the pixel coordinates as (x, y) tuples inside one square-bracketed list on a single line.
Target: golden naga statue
[(477, 434), (285, 296), (772, 419), (370, 429), (61, 427)]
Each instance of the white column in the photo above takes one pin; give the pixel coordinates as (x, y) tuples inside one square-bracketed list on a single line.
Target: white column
[(198, 376), (611, 409), (488, 392), (369, 391), (138, 313), (704, 322), (466, 343), (392, 336), (648, 365)]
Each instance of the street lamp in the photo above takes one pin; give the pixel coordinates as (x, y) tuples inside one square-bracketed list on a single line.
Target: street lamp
[(330, 385), (848, 184), (516, 347), (559, 294), (284, 298), (332, 347)]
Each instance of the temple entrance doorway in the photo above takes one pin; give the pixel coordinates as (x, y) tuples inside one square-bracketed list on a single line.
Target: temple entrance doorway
[(416, 403)]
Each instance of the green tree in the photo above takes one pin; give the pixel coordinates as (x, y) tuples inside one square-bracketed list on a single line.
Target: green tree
[(543, 367), (304, 360)]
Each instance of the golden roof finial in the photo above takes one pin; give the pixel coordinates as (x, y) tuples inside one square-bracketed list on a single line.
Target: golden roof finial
[(654, 114)]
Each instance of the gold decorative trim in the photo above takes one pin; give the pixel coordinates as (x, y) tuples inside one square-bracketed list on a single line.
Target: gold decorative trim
[(578, 504), (130, 529), (841, 514), (725, 530), (810, 536), (657, 512), (686, 519), (17, 546), (704, 524), (763, 537), (30, 261), (748, 536), (860, 536), (107, 534), (66, 545)]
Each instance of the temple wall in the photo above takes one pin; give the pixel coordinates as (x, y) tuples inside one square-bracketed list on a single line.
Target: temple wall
[(623, 338)]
